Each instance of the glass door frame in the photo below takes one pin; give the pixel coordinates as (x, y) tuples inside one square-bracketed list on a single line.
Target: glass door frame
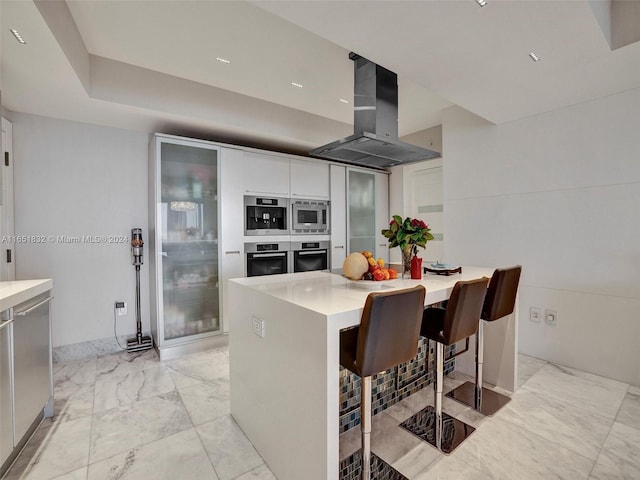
[(157, 241), (350, 170)]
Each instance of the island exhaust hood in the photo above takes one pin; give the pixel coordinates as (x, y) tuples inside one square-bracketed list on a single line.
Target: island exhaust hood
[(375, 121)]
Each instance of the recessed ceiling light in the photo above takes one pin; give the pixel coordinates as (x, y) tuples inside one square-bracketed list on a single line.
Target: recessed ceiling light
[(296, 84), (16, 34), (482, 3), (223, 60), (344, 101), (534, 57)]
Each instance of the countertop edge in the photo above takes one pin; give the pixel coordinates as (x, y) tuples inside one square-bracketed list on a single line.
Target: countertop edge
[(13, 293)]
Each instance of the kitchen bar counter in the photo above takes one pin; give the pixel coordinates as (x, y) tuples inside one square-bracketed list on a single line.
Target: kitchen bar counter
[(285, 383)]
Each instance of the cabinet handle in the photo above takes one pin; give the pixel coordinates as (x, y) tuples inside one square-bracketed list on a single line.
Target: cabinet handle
[(382, 245), (37, 305), (232, 252), (339, 246), (6, 324)]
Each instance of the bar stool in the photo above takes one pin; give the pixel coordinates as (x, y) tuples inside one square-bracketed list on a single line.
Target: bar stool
[(447, 326), (499, 302), (387, 336)]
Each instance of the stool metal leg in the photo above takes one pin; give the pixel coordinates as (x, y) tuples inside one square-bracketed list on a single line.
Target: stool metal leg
[(365, 426), (474, 395), (438, 393), (479, 362)]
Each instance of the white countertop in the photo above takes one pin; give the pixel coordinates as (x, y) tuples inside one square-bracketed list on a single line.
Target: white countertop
[(329, 293), (18, 291)]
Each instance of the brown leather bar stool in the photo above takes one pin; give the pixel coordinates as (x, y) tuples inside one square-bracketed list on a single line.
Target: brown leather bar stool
[(387, 336), (499, 302), (448, 326)]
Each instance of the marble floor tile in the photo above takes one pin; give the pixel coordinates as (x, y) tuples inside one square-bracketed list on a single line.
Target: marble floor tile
[(123, 428), (178, 456), (73, 401), (416, 460), (389, 441), (56, 448), (79, 474), (207, 401), (229, 450), (629, 413), (66, 375), (574, 428), (198, 368), (117, 391), (260, 473), (509, 451), (619, 458), (125, 362), (452, 468), (416, 402), (527, 367), (578, 389)]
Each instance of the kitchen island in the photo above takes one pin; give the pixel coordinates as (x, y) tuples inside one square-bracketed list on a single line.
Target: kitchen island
[(284, 361)]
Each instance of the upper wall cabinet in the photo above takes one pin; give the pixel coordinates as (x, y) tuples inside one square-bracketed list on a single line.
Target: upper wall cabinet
[(309, 179), (265, 174)]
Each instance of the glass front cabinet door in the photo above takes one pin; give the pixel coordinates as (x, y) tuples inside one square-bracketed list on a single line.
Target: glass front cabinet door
[(184, 213)]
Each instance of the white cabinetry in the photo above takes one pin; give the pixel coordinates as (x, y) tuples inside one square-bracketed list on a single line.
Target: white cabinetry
[(265, 174), (338, 215), (232, 171), (309, 179)]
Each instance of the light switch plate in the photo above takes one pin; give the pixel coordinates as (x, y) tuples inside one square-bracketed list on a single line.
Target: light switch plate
[(258, 326), (534, 314), (551, 317)]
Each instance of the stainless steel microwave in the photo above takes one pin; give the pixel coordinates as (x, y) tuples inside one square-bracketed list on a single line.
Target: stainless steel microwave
[(309, 216)]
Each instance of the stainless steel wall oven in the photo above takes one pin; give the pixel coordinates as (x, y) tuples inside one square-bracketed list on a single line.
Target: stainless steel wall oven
[(266, 258), (308, 256)]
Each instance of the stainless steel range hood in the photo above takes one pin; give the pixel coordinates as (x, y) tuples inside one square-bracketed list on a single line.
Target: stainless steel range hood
[(375, 141)]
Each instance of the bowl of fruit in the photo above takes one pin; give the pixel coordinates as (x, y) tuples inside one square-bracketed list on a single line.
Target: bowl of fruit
[(366, 271)]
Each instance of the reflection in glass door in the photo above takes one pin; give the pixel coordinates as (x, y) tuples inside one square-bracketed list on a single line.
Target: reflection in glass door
[(362, 211), (189, 235)]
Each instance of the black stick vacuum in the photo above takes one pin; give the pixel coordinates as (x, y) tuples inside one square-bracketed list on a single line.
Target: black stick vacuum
[(140, 342)]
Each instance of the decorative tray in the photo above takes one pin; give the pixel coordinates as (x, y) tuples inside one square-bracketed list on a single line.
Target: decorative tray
[(443, 269)]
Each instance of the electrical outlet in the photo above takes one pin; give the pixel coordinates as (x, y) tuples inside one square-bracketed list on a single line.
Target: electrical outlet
[(534, 314), (258, 326), (551, 317), (121, 308)]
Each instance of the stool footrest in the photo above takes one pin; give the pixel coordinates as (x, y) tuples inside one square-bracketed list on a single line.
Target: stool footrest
[(490, 402), (423, 426)]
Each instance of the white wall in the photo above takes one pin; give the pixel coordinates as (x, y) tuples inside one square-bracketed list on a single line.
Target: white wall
[(558, 193), (74, 179)]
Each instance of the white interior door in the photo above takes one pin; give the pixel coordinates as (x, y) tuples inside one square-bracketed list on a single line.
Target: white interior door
[(7, 244)]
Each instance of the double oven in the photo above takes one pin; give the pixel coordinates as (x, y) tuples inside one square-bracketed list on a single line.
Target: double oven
[(289, 235)]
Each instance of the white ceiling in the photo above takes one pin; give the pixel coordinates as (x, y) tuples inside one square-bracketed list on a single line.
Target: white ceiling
[(151, 65)]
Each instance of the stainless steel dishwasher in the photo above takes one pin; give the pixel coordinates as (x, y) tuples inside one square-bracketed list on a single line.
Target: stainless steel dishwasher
[(32, 376)]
